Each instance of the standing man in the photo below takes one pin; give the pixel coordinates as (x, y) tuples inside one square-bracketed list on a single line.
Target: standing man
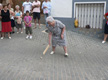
[(36, 11), (46, 6), (26, 6)]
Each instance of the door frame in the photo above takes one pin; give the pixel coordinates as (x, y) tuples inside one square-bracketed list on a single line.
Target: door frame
[(96, 2)]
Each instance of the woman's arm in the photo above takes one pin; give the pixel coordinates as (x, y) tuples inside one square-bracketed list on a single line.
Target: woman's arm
[(0, 15), (62, 33), (50, 35), (106, 17)]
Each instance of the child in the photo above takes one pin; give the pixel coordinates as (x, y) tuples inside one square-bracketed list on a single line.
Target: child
[(27, 21)]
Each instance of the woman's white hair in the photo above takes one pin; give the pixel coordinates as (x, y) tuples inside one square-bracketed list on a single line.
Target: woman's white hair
[(50, 19), (17, 6), (0, 4)]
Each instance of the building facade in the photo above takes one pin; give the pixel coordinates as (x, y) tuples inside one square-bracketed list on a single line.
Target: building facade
[(87, 12)]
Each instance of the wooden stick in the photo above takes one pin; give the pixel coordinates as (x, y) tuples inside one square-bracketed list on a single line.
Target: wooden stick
[(46, 49)]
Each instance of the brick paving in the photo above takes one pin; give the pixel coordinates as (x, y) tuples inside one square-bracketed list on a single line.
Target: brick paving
[(20, 58)]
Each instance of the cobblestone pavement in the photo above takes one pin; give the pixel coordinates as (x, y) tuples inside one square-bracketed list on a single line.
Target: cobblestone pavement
[(20, 58)]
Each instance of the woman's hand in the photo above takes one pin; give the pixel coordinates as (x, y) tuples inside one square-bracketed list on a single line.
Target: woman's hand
[(62, 36), (45, 7), (0, 17)]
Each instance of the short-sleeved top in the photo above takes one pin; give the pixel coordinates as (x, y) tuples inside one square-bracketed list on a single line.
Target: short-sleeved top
[(27, 19), (57, 29), (18, 13), (27, 6), (48, 5), (5, 16), (37, 9)]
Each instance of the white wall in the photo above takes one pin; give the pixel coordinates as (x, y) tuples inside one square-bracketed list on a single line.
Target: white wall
[(61, 8)]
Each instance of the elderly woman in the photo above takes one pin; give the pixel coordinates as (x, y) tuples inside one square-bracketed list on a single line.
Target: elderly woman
[(6, 23), (0, 19), (57, 31), (106, 28), (18, 17)]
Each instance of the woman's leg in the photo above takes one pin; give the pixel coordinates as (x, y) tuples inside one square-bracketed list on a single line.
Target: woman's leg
[(0, 34), (105, 37), (3, 34), (13, 29), (21, 30), (8, 34), (53, 48), (17, 30), (65, 49)]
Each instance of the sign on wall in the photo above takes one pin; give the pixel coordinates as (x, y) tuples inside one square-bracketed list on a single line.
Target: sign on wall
[(61, 8)]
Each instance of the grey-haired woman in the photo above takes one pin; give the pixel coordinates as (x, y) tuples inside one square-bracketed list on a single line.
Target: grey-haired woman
[(57, 31), (18, 17)]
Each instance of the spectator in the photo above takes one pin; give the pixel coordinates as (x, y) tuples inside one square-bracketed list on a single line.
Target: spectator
[(18, 17), (0, 19), (57, 31), (12, 17), (36, 11), (6, 22), (106, 28), (26, 6), (27, 21), (46, 6)]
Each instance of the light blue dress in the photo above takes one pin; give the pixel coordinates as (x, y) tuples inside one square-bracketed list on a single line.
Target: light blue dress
[(56, 34)]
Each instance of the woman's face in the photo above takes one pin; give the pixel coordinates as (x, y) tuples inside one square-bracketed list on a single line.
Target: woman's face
[(51, 23), (9, 6), (5, 8), (17, 8)]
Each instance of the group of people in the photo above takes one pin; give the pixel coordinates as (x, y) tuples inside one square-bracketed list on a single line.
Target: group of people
[(10, 19)]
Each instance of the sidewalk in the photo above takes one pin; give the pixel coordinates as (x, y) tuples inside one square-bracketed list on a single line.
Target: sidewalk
[(20, 59)]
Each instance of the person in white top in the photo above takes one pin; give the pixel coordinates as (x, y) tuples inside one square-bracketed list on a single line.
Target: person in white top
[(26, 6), (46, 6), (36, 11)]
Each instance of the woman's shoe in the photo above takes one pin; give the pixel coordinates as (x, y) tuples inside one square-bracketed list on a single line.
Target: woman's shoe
[(66, 55), (2, 37), (10, 38), (52, 52), (21, 32), (103, 42)]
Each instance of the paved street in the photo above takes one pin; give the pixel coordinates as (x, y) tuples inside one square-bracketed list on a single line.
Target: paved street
[(20, 58)]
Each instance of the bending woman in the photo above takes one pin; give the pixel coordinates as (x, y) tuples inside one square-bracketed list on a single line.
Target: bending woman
[(57, 31)]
